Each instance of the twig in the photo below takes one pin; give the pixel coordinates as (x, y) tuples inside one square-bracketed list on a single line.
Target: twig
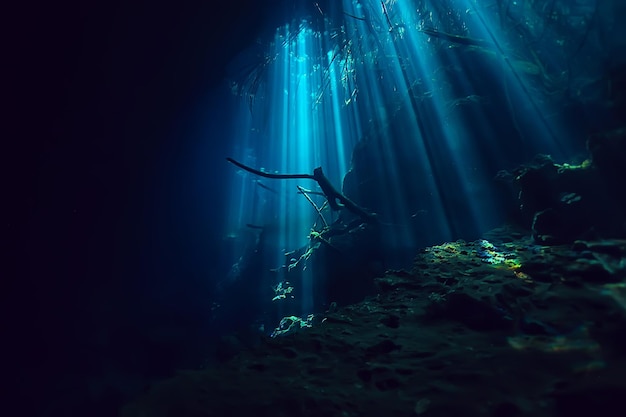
[(319, 212)]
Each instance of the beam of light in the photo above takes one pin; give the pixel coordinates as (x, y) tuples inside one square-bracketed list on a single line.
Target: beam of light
[(441, 96), (298, 124), (444, 105)]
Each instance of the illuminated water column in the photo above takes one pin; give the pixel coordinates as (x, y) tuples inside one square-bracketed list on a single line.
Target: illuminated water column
[(389, 74), (510, 78), (422, 101), (298, 122), (544, 133), (307, 129), (443, 143), (430, 98)]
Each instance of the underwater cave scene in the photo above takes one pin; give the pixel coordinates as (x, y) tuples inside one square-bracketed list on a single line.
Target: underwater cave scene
[(420, 220), (416, 208)]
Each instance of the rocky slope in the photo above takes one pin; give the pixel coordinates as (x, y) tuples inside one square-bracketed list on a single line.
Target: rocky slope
[(497, 327)]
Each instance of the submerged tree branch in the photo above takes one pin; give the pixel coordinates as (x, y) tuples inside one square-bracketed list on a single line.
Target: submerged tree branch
[(267, 174), (332, 195)]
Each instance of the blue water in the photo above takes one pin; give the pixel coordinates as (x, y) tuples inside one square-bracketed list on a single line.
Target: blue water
[(139, 246)]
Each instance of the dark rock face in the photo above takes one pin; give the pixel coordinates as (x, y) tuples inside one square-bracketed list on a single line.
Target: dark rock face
[(608, 153), (345, 268), (563, 202)]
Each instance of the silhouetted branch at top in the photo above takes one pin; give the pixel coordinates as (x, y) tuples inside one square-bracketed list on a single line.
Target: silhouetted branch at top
[(332, 195), (267, 174)]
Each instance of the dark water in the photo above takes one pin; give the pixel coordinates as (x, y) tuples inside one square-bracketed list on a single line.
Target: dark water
[(128, 236)]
